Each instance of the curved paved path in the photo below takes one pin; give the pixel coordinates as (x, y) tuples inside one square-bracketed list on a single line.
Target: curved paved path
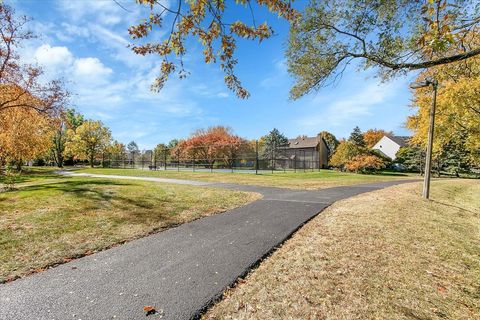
[(180, 270)]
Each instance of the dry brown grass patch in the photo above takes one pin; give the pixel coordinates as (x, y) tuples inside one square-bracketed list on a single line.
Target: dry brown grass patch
[(381, 255)]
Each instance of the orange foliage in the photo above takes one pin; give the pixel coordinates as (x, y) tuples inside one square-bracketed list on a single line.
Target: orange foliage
[(25, 134), (365, 163), (215, 143), (372, 136)]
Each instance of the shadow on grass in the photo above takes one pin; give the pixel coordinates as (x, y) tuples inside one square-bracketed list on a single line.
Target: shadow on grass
[(454, 206), (391, 174), (91, 190), (30, 174)]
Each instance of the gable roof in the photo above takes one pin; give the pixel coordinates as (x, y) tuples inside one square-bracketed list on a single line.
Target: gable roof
[(402, 141), (303, 142)]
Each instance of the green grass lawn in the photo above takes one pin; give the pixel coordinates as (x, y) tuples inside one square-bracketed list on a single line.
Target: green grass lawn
[(386, 254), (50, 220), (299, 180)]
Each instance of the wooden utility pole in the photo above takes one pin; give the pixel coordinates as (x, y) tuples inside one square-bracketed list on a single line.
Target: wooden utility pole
[(428, 160)]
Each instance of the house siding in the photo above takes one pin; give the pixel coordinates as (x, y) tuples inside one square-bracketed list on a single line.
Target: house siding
[(307, 157), (387, 147)]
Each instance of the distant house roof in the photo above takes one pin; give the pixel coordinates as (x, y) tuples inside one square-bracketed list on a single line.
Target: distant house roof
[(402, 141), (303, 142)]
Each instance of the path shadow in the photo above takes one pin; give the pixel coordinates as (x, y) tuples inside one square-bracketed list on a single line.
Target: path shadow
[(456, 207)]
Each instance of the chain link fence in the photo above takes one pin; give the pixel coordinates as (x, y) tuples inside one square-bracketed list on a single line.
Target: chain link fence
[(246, 157)]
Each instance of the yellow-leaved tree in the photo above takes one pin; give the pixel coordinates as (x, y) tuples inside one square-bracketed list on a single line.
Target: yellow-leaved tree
[(88, 141), (25, 133), (457, 122)]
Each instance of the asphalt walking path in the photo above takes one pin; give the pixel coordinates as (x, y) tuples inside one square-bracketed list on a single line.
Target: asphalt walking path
[(179, 271)]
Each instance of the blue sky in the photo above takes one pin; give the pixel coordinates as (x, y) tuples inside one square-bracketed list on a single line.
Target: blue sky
[(84, 41)]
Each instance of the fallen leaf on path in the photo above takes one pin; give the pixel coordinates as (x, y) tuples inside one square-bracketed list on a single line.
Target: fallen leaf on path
[(149, 310)]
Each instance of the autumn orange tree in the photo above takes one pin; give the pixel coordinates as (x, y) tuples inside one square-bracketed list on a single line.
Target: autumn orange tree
[(209, 145), (372, 136), (366, 163), (345, 151), (350, 155)]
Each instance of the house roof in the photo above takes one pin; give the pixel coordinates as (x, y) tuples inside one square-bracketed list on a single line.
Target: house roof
[(303, 142), (402, 141)]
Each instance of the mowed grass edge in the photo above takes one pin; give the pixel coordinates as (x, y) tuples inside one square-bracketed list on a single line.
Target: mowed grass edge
[(47, 222), (386, 254), (318, 179)]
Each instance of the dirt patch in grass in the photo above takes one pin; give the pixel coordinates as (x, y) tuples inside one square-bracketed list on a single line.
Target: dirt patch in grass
[(299, 180), (386, 254), (46, 224)]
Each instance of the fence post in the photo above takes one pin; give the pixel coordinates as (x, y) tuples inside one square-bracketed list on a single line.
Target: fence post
[(193, 161), (178, 161), (272, 156), (232, 159), (165, 159), (256, 156), (312, 163), (295, 160), (303, 160)]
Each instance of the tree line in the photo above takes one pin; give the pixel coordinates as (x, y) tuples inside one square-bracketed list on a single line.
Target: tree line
[(36, 123)]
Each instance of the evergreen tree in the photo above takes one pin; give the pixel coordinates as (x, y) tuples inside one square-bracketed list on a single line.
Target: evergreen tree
[(172, 143), (412, 158), (274, 141), (356, 137), (454, 157), (132, 147)]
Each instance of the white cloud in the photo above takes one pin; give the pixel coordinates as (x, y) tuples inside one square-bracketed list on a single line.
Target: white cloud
[(59, 62), (106, 24), (53, 57), (91, 69), (75, 31), (106, 12), (106, 33)]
